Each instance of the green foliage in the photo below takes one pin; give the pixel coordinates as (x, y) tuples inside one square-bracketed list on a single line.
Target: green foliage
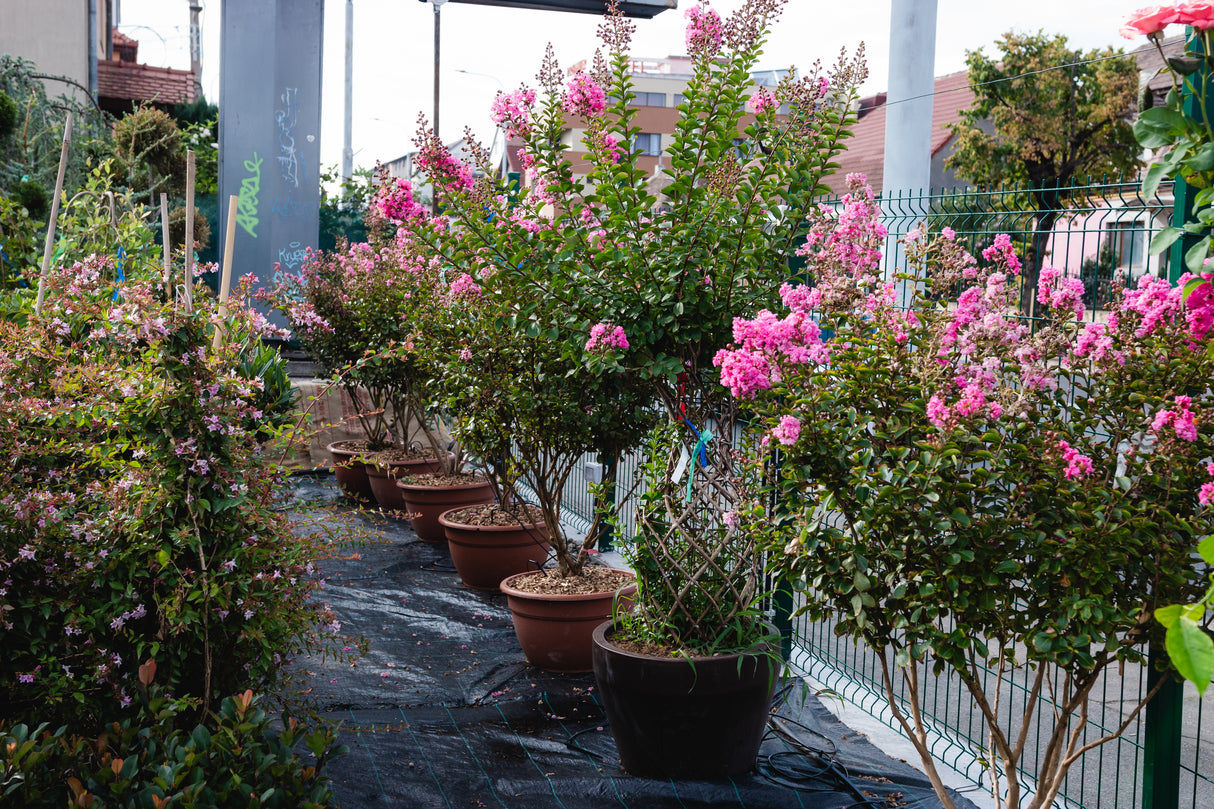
[(31, 152), (8, 115), (240, 756), (342, 215), (140, 515), (19, 243), (1057, 113)]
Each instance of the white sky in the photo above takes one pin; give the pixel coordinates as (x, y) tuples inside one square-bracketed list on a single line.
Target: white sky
[(393, 59)]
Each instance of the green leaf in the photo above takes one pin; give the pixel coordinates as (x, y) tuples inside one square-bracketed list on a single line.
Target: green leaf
[(1205, 549), (1163, 239), (1202, 161), (1190, 285), (1150, 183), (1195, 258), (1192, 652), (1168, 615)]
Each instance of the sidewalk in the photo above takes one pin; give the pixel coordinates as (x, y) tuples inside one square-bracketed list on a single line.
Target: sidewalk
[(445, 712)]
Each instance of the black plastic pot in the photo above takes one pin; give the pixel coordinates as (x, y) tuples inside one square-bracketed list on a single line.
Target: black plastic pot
[(679, 718)]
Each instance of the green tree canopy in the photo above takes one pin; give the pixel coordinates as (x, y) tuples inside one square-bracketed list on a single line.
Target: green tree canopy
[(1044, 116)]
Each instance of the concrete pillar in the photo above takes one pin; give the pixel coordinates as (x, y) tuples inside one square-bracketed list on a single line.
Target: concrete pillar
[(908, 115)]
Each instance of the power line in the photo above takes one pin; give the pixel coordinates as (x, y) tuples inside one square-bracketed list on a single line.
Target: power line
[(1000, 80)]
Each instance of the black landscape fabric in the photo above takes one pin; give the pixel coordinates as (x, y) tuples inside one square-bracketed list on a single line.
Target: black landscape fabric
[(443, 711)]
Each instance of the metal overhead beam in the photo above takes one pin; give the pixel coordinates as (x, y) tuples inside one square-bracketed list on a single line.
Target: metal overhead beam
[(645, 9)]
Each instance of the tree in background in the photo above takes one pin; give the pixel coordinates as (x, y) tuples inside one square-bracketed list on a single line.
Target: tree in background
[(1045, 116)]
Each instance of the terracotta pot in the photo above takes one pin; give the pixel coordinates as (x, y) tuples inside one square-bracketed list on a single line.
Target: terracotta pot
[(351, 474), (677, 718), (555, 631), (382, 475), (485, 554), (427, 503)]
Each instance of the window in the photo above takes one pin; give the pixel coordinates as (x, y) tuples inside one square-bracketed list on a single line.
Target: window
[(650, 100), (648, 143), (679, 99), (1129, 242)]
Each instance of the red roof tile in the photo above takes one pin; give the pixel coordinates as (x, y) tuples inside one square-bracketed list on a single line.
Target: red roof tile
[(131, 82)]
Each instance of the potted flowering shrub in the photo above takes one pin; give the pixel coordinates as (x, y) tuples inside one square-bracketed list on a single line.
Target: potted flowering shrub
[(640, 286), (967, 494)]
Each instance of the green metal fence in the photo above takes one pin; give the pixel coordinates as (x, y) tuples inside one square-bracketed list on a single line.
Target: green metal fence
[(1165, 758)]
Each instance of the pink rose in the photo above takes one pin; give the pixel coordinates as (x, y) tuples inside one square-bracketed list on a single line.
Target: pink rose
[(1198, 14), (1149, 20)]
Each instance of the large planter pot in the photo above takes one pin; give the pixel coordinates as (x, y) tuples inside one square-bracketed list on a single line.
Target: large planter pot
[(673, 717), (350, 471), (426, 504), (383, 474), (483, 555), (555, 631)]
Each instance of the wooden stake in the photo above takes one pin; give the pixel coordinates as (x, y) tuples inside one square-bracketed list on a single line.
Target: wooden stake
[(167, 245), (50, 228), (225, 282), (189, 231)]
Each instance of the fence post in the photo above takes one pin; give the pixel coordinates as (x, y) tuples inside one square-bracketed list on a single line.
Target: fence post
[(607, 509), (1161, 731), (1182, 192)]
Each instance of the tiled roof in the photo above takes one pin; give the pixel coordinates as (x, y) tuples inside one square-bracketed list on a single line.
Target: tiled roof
[(865, 152), (132, 82)]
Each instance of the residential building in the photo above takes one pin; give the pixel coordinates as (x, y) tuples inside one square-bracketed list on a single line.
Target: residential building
[(61, 37)]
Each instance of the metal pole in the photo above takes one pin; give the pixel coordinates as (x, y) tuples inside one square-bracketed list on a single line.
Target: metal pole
[(94, 24), (347, 152), (196, 48), (437, 29), (1161, 736)]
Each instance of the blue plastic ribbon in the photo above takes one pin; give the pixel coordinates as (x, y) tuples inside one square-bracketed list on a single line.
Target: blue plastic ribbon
[(700, 453), (121, 276)]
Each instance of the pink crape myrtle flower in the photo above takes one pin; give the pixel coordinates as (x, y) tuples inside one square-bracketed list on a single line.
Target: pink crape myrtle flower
[(1155, 300), (1058, 292), (1205, 495), (584, 97), (787, 431), (1078, 465), (611, 148), (395, 202), (464, 287), (1199, 308), (704, 30), (605, 336), (1002, 254), (1181, 420), (762, 100), (512, 111)]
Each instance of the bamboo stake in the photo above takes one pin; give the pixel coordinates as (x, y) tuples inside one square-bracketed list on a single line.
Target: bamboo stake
[(225, 283), (167, 245), (189, 231), (50, 228)]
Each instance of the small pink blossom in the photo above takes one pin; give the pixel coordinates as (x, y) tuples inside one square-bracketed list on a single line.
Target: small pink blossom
[(1078, 465), (704, 31), (787, 431), (762, 100), (605, 336), (584, 97)]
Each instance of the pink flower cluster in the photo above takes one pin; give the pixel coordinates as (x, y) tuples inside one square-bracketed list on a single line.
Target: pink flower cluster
[(442, 166), (842, 253), (1181, 420), (605, 336), (1205, 495), (1078, 465), (787, 431), (1059, 292), (512, 111), (762, 100), (464, 287), (767, 341), (1003, 255), (584, 97), (395, 201), (1153, 19), (704, 31)]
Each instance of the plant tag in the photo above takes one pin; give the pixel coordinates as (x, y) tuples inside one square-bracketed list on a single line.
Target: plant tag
[(681, 467)]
